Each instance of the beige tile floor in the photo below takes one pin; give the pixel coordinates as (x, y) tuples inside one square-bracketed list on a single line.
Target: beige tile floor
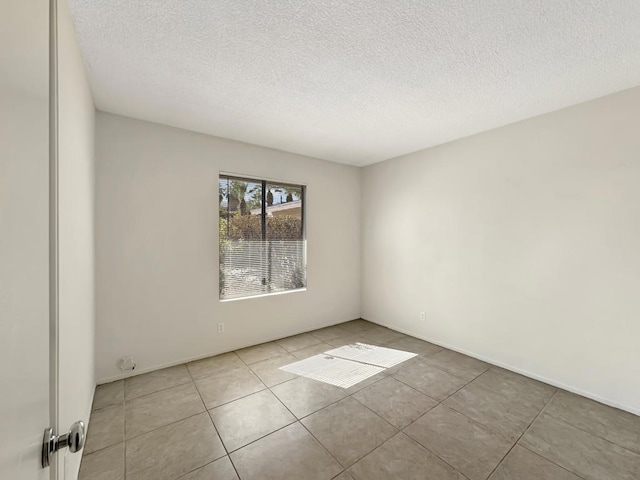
[(441, 415)]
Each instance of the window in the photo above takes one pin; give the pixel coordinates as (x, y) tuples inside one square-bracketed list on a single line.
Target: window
[(262, 237)]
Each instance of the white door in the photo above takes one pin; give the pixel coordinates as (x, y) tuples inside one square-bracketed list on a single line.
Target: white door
[(25, 409)]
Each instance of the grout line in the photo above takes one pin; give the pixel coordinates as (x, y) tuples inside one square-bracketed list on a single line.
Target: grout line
[(341, 473), (319, 442), (477, 421), (235, 469), (404, 384), (159, 390), (315, 411), (527, 379), (591, 433), (569, 424), (396, 432), (164, 389), (206, 410), (254, 373), (263, 436), (485, 389), (214, 427), (272, 357), (550, 461), (197, 468), (524, 433), (441, 402), (427, 357), (230, 401), (166, 425), (291, 352), (367, 386), (234, 399), (103, 448), (211, 418), (433, 453), (346, 332), (298, 420), (224, 446)]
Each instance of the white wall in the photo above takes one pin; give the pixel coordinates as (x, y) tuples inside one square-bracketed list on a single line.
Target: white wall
[(157, 246), (522, 245), (76, 114)]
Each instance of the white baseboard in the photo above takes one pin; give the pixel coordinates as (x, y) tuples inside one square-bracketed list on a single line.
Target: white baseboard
[(535, 376), (521, 371), (180, 361)]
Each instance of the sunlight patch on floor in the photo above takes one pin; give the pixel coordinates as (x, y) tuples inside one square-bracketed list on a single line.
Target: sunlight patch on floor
[(348, 365)]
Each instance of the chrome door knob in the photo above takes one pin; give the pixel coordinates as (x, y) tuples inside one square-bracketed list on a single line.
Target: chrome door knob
[(75, 438), (52, 442)]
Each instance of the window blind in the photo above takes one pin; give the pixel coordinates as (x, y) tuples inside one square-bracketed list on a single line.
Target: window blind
[(262, 237)]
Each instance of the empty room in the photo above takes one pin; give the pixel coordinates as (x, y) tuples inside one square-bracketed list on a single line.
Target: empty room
[(320, 240)]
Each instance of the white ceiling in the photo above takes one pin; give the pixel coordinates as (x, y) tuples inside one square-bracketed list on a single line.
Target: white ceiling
[(352, 81)]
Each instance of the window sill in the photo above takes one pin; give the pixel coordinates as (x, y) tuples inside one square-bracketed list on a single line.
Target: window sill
[(262, 295)]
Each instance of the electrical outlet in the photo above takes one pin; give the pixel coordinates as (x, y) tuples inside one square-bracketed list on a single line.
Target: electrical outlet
[(221, 327), (423, 316)]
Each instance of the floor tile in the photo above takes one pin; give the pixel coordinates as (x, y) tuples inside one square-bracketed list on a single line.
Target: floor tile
[(365, 383), (221, 469), (155, 381), (513, 385), (304, 396), (381, 336), (250, 418), (588, 456), (213, 365), (344, 476), (155, 410), (521, 464), (394, 401), (174, 450), (329, 333), (298, 342), (269, 370), (311, 351), (406, 363), (108, 394), (349, 430), (615, 425), (260, 352), (106, 428), (415, 345), (357, 325), (508, 416), (288, 454), (429, 380), (469, 447), (458, 364), (227, 386), (402, 458), (105, 464), (355, 337)]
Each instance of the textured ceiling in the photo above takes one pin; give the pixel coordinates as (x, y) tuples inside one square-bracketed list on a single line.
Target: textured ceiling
[(351, 81)]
